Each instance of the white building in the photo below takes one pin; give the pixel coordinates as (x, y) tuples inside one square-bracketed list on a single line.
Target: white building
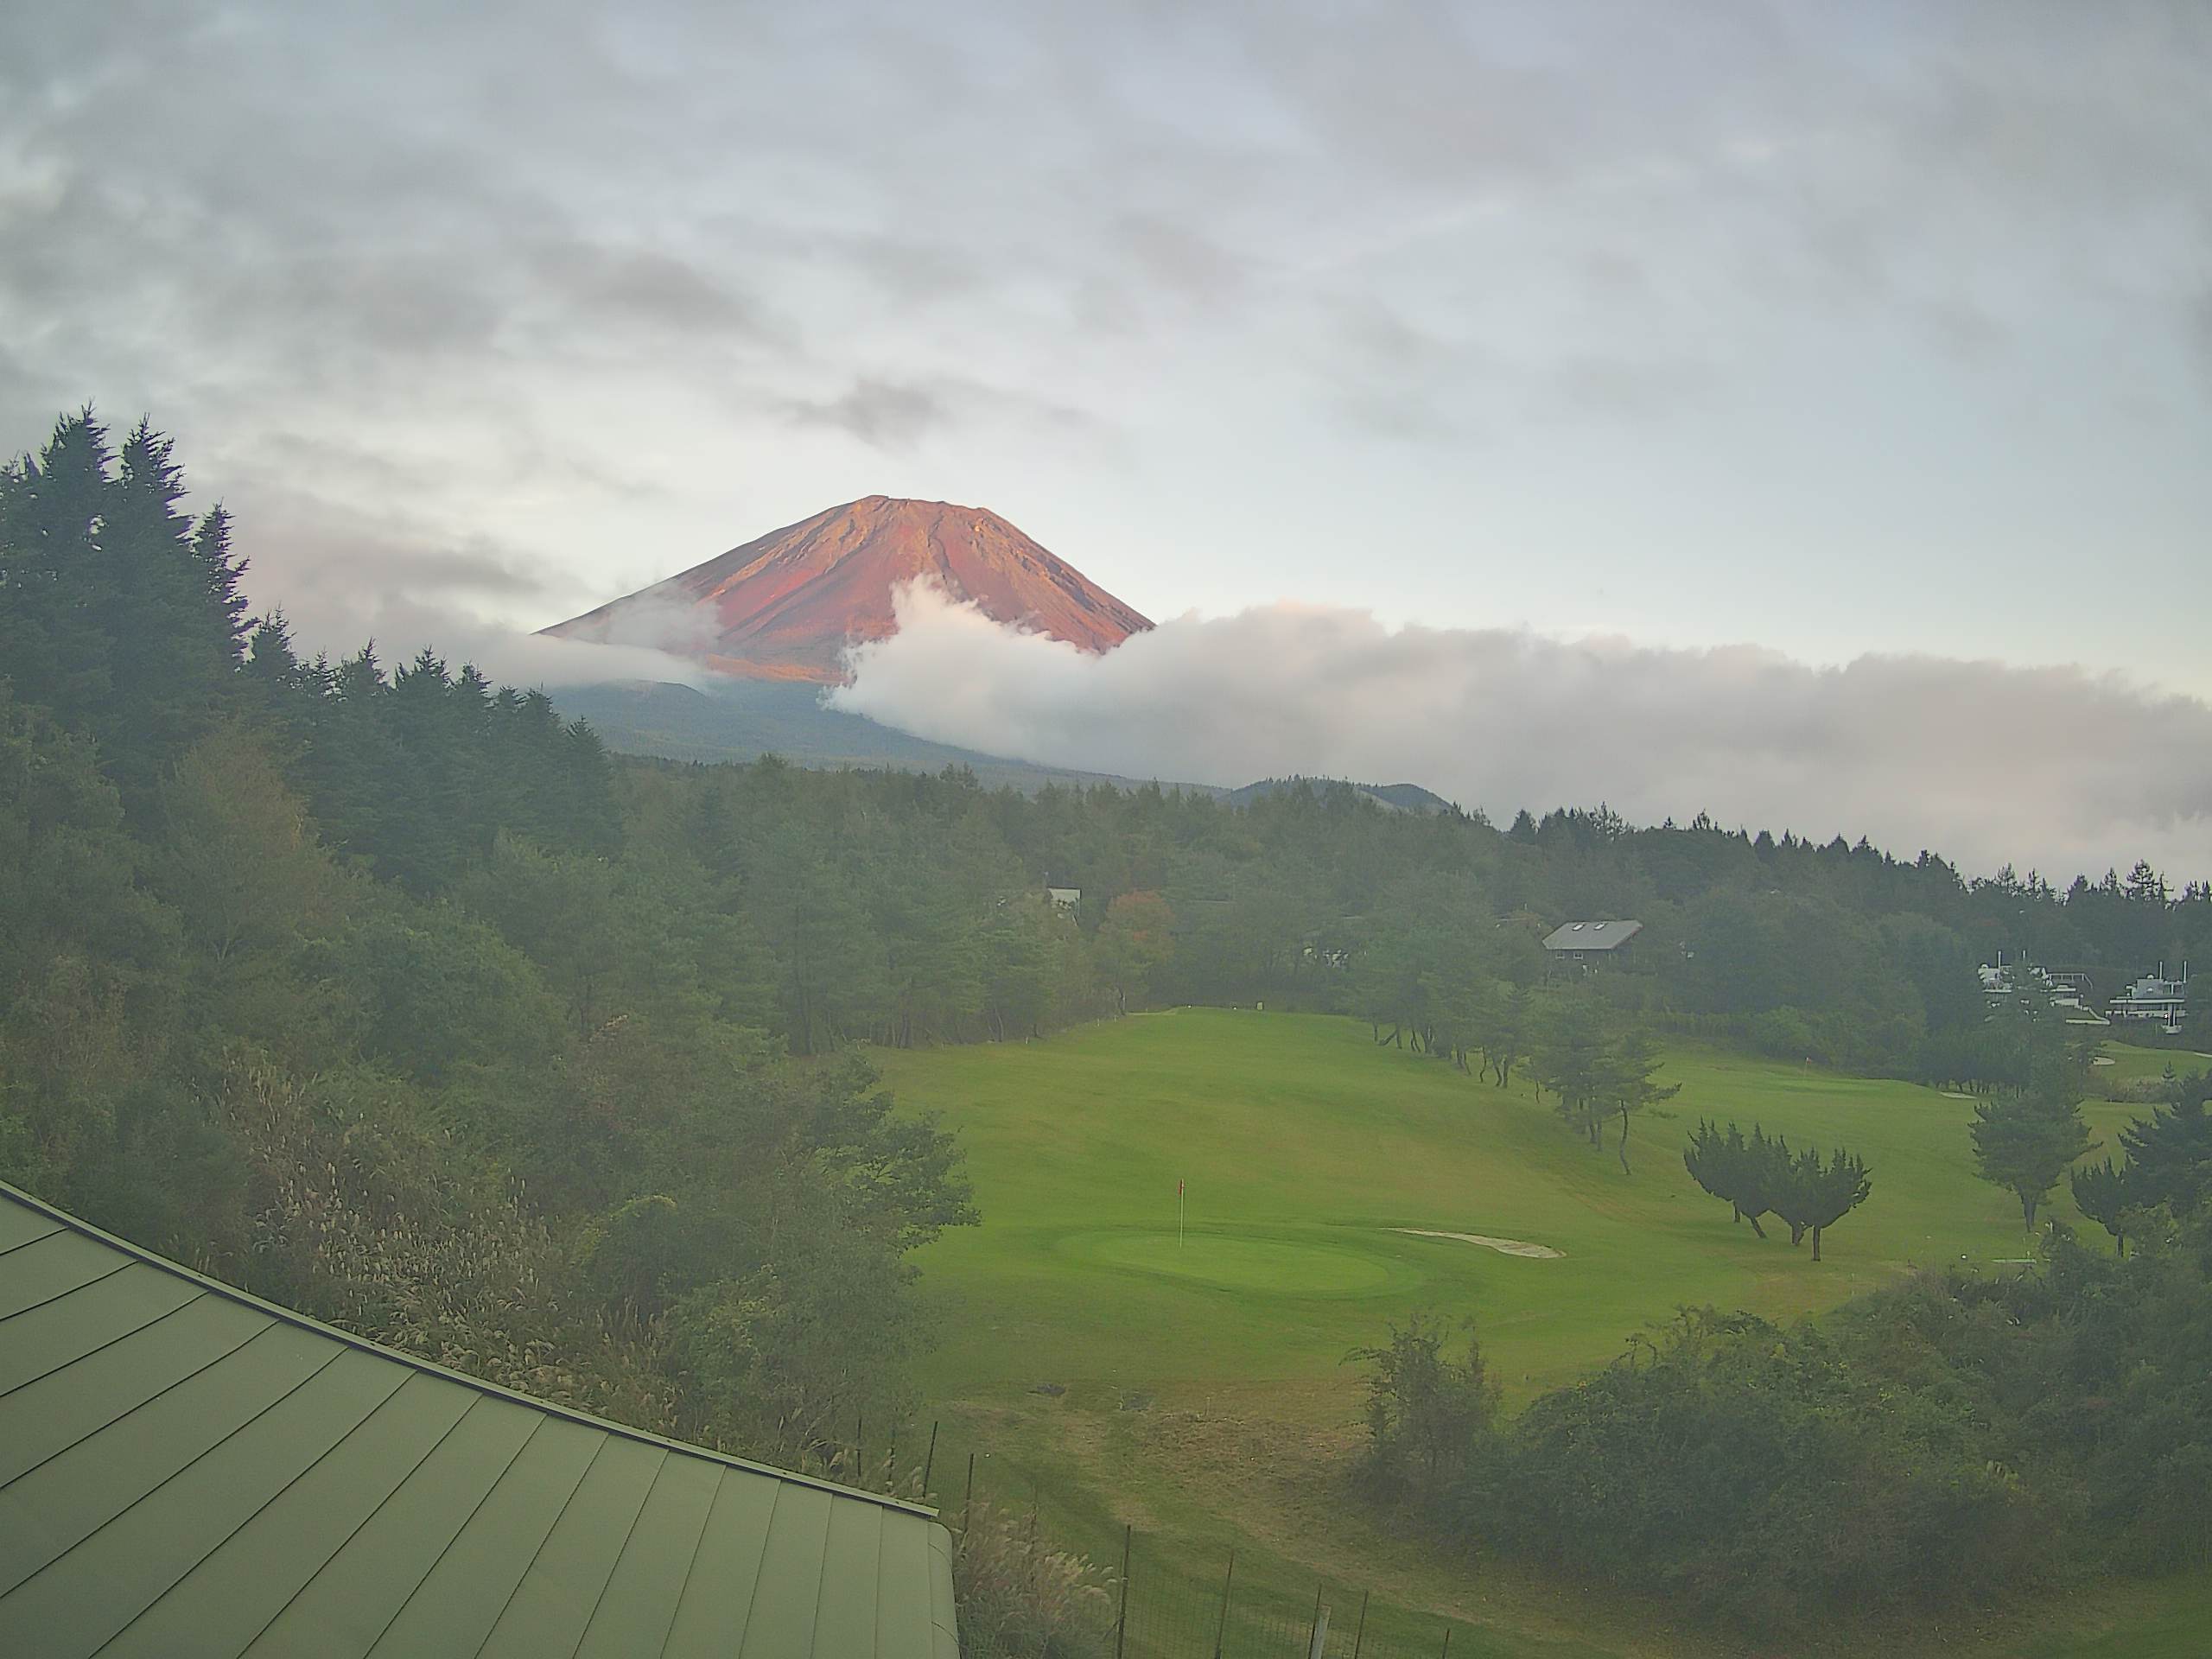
[(2065, 991), (2155, 1001)]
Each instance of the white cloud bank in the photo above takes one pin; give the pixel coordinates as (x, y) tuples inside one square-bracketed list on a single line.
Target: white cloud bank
[(2053, 768)]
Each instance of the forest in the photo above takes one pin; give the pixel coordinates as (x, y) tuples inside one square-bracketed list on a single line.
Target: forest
[(384, 992)]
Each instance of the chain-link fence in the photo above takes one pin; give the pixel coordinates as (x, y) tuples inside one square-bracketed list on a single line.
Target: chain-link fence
[(1023, 1597), (1165, 1609)]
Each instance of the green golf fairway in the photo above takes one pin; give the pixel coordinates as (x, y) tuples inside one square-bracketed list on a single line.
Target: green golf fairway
[(1198, 1391), (1267, 1267)]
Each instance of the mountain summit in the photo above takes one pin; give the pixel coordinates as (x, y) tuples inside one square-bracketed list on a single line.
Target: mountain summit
[(785, 607)]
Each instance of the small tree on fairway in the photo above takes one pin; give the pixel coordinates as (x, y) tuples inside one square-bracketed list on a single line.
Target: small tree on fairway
[(1500, 1020), (1426, 1412), (1572, 1057), (1765, 1164), (2025, 1144), (1628, 1063), (2105, 1194), (1707, 1159), (1816, 1195), (1760, 1176)]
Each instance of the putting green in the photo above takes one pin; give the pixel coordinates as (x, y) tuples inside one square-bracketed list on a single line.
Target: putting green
[(1285, 1266)]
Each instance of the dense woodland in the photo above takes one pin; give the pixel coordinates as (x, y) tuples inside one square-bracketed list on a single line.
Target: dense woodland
[(384, 992)]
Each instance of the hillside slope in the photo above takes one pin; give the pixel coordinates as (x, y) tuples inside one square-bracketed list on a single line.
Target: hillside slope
[(743, 720)]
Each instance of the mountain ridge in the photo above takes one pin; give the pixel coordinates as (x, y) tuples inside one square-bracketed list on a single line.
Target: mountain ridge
[(785, 605)]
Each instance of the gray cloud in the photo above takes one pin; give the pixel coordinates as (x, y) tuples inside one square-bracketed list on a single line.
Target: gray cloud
[(2051, 767), (592, 288), (876, 411), (430, 593)]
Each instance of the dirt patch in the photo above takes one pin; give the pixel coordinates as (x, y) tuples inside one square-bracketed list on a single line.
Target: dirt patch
[(1503, 1246)]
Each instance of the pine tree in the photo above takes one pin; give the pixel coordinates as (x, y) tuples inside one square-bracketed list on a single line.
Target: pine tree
[(2024, 1144), (1816, 1195), (1630, 1062), (2105, 1194), (2170, 1153)]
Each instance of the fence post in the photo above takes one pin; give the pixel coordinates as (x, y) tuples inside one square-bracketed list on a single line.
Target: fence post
[(929, 1462), (1121, 1619), (1359, 1635), (1221, 1627), (1317, 1637)]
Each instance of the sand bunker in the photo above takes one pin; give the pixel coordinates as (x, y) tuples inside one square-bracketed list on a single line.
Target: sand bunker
[(1503, 1246)]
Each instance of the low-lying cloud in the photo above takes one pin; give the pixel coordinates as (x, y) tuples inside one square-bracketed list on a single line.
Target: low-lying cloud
[(306, 560), (2051, 768)]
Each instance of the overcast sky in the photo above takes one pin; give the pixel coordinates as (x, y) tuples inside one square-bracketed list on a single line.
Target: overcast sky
[(1831, 328)]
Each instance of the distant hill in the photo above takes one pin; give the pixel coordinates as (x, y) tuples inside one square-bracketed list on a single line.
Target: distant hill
[(784, 606), (1404, 797), (742, 719)]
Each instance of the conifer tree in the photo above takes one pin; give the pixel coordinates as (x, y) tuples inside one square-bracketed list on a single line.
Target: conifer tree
[(2024, 1144)]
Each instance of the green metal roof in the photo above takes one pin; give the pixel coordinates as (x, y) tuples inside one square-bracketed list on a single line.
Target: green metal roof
[(186, 1469)]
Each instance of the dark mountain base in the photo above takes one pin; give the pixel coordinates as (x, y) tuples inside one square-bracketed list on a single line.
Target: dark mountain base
[(742, 719)]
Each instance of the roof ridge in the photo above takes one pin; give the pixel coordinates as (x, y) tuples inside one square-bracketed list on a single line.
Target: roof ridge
[(353, 1339)]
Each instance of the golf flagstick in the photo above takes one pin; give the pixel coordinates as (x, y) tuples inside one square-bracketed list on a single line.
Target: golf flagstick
[(1179, 1213)]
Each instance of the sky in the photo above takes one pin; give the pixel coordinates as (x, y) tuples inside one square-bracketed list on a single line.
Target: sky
[(1815, 330)]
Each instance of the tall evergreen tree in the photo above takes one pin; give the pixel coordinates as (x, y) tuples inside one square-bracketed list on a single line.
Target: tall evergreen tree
[(2024, 1144)]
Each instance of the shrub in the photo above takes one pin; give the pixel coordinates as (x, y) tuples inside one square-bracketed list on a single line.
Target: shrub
[(1021, 1597)]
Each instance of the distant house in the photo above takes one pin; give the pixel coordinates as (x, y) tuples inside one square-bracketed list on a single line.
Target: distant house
[(2066, 990), (1587, 943), (2155, 1001), (1068, 899)]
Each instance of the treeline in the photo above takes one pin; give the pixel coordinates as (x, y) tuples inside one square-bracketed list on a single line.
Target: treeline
[(910, 909), (1956, 1444), (1318, 896)]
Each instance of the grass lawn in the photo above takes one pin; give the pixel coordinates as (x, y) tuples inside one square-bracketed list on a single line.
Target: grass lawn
[(2134, 1064), (1109, 1371)]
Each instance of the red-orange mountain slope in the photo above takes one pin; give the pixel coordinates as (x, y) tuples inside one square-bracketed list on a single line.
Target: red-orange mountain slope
[(784, 607)]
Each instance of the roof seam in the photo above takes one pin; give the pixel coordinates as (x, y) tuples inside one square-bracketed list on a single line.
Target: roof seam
[(25, 1243), (177, 1473), (690, 1565), (875, 1625), (822, 1582), (614, 1566), (761, 1559), (239, 1346), (353, 1339), (469, 1520), (168, 1313), (428, 1452), (46, 1302), (304, 1471), (530, 1566)]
